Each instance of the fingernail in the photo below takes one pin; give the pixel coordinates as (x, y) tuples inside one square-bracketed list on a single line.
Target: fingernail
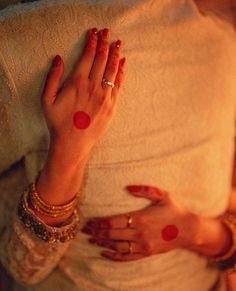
[(57, 60), (118, 43), (94, 30), (105, 32), (134, 188), (122, 61)]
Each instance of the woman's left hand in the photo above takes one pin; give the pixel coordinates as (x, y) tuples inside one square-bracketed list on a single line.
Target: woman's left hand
[(158, 228)]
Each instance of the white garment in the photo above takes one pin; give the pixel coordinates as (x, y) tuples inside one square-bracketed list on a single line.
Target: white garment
[(173, 127)]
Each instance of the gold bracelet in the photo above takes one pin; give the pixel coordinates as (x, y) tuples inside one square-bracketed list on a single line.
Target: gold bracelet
[(48, 209), (227, 262), (66, 206), (50, 234)]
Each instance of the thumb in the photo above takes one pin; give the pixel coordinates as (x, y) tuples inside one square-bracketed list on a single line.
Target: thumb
[(53, 81), (152, 193)]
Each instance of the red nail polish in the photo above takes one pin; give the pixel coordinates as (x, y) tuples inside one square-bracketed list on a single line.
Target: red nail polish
[(134, 188), (105, 32), (94, 30), (118, 43), (57, 60), (122, 61)]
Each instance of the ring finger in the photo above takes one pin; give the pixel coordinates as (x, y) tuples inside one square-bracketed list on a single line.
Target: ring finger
[(112, 64)]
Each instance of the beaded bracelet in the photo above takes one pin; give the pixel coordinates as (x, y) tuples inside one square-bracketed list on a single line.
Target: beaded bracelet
[(49, 234), (227, 262)]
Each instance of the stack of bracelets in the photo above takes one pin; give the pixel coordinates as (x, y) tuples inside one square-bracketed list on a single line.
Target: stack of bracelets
[(50, 234)]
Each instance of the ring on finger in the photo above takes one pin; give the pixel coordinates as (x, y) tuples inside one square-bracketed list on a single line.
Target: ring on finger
[(130, 247), (108, 82)]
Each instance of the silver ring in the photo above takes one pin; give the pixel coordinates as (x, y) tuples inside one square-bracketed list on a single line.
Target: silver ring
[(109, 83)]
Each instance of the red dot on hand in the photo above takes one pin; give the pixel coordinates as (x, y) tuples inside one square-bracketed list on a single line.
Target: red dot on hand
[(169, 232), (81, 120)]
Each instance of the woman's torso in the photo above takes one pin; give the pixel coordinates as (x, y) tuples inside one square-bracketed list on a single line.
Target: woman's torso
[(173, 128)]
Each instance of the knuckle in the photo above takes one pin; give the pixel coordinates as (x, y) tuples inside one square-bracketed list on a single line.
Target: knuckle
[(103, 49), (148, 248), (142, 236), (138, 220), (113, 66), (121, 248), (91, 48), (93, 90)]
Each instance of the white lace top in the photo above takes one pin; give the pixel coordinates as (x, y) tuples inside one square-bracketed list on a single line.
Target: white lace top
[(173, 128)]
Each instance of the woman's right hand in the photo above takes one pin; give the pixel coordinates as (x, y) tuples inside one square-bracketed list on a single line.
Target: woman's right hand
[(79, 113)]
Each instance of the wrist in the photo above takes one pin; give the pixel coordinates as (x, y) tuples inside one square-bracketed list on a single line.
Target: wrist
[(211, 237), (64, 155), (59, 182)]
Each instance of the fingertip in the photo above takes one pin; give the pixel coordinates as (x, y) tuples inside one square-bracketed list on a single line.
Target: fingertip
[(57, 61)]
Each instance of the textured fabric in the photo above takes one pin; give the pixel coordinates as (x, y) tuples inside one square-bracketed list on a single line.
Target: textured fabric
[(173, 128)]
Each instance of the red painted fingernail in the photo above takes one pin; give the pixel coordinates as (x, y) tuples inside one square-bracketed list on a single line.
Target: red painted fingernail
[(94, 30), (118, 43), (134, 188), (57, 60), (105, 32), (122, 61)]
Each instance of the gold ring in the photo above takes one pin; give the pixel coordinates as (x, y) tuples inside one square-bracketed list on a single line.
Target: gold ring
[(130, 249), (129, 222)]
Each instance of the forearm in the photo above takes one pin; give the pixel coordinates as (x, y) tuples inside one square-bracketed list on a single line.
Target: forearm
[(59, 182)]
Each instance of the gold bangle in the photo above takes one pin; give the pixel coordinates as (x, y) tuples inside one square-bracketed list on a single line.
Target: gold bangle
[(68, 205), (47, 209), (50, 234)]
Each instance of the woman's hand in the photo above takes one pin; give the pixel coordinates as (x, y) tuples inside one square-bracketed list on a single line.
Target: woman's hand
[(79, 114), (159, 228)]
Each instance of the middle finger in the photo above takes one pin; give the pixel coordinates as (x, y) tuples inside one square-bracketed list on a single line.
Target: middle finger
[(97, 70)]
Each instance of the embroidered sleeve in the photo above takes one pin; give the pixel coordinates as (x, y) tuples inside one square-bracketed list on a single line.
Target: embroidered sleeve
[(27, 258)]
